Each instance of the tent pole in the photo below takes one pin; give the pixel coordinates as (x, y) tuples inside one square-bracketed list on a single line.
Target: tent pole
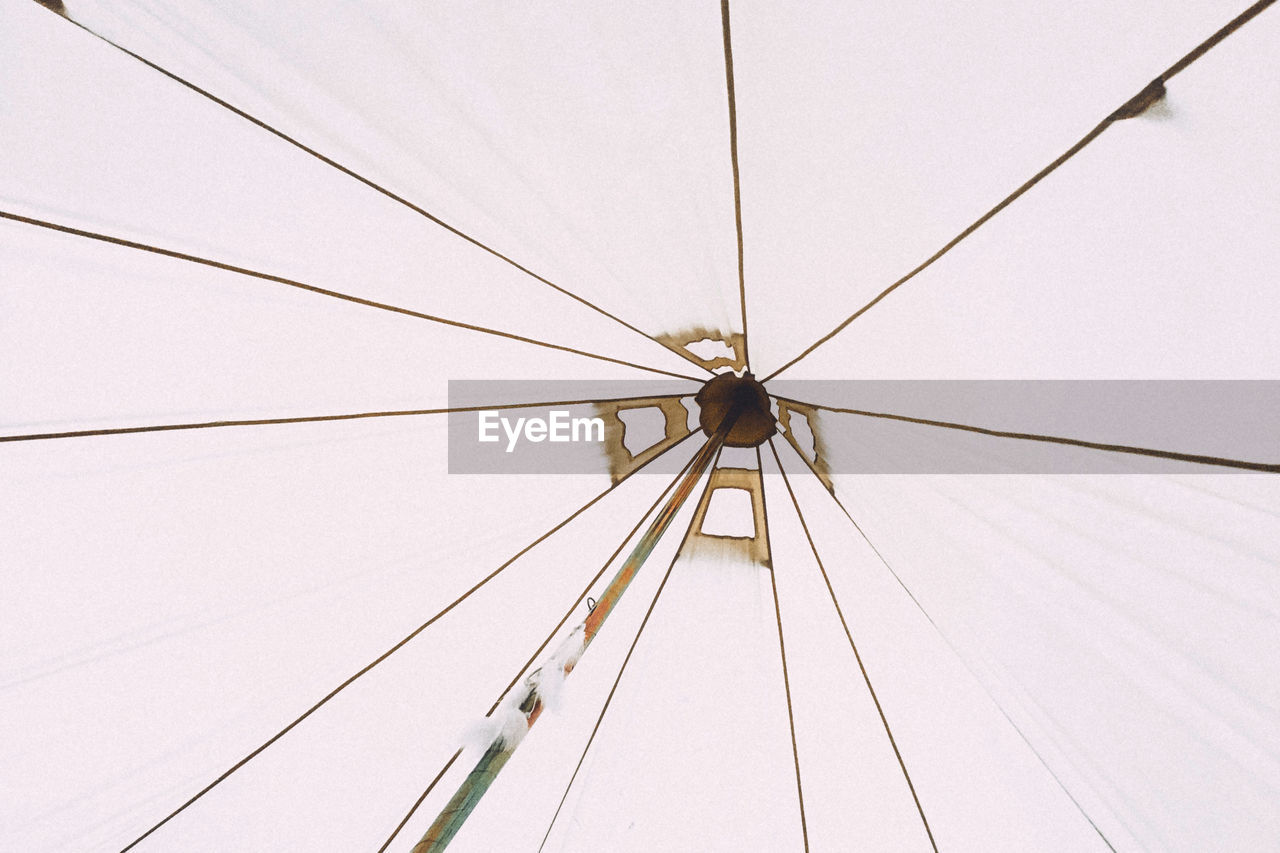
[(520, 715)]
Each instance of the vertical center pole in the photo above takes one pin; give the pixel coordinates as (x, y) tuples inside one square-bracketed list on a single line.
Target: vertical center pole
[(520, 716)]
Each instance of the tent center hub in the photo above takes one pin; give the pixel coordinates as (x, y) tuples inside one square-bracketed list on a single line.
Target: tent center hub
[(755, 421)]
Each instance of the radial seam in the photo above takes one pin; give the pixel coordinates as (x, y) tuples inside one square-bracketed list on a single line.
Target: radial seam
[(1195, 458), (382, 657), (1148, 94), (786, 681), (550, 636), (737, 184), (328, 161), (618, 680), (866, 677), (358, 300), (85, 433), (955, 651)]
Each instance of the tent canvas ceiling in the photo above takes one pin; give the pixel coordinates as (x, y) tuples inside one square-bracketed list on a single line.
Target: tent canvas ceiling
[(1067, 662)]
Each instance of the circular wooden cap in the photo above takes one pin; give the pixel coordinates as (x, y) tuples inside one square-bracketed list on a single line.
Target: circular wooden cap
[(755, 421)]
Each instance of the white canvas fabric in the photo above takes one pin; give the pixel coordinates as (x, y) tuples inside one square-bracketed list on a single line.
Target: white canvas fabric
[(1066, 663)]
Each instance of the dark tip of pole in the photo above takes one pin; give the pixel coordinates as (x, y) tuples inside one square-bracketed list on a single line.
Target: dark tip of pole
[(54, 6)]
